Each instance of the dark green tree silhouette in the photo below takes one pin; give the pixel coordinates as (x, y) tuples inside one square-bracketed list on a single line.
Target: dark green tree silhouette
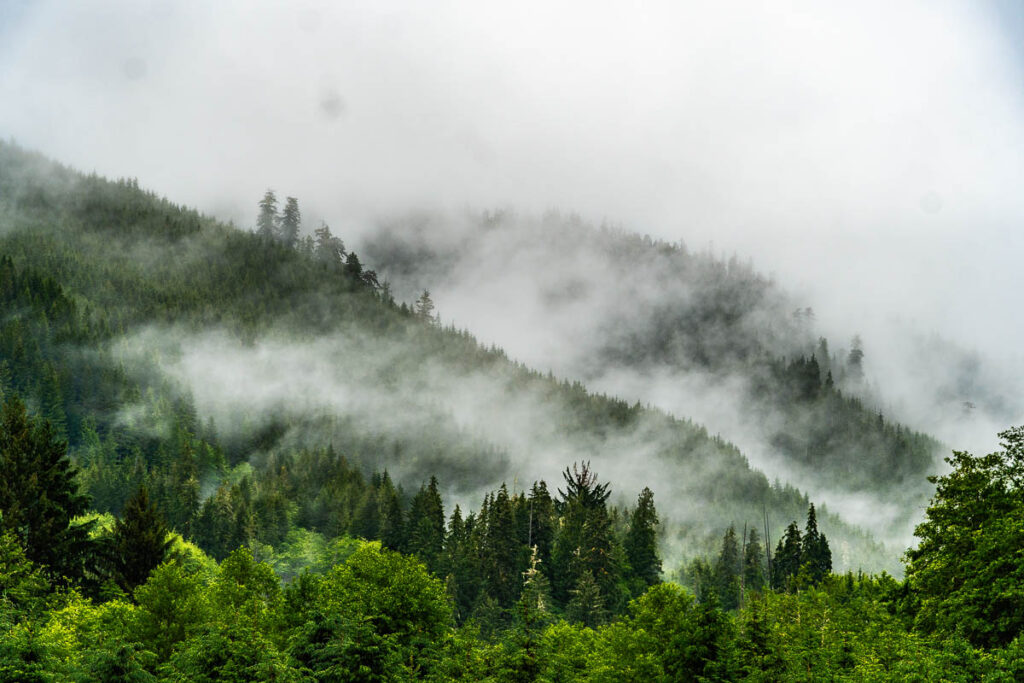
[(753, 564), (543, 521), (39, 496), (641, 543), (584, 541), (786, 563), (425, 528), (139, 542), (727, 571), (815, 557), (392, 519)]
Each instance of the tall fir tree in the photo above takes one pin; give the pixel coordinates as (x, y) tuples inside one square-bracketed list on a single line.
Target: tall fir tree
[(542, 520), (786, 563), (366, 522), (291, 221), (532, 613), (753, 564), (816, 556), (39, 496), (585, 540), (727, 571), (392, 520), (266, 220), (506, 557), (641, 543), (139, 543), (425, 528), (586, 605)]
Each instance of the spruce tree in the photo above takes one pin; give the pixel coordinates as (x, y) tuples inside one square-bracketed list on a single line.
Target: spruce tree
[(786, 563), (366, 522), (291, 220), (425, 537), (530, 616), (505, 556), (727, 571), (816, 557), (425, 307), (586, 605), (641, 544), (328, 248), (266, 221), (753, 564), (584, 541), (543, 521), (139, 541), (392, 523), (353, 268), (39, 495)]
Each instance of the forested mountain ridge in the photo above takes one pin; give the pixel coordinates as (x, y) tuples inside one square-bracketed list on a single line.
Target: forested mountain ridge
[(258, 417), (691, 332), (185, 349)]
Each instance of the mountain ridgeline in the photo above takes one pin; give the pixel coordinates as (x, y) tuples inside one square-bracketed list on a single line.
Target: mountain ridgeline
[(187, 355), (688, 331)]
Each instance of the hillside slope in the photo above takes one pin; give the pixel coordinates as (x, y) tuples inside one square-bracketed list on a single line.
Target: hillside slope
[(689, 332), (172, 348)]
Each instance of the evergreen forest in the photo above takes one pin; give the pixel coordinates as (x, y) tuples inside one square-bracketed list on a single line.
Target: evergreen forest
[(246, 454)]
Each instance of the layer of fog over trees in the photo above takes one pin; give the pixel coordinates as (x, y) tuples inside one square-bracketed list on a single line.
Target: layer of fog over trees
[(869, 157), (266, 345), (687, 332)]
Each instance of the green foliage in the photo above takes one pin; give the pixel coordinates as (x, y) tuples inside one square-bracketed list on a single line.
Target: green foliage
[(86, 261), (372, 618), (967, 572), (22, 584), (641, 544), (173, 605), (39, 496), (139, 542)]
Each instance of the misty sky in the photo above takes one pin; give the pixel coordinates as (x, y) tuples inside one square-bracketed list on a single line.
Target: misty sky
[(870, 154)]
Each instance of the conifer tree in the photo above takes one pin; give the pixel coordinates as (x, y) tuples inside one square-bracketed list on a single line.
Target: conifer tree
[(214, 527), (786, 563), (266, 221), (392, 522), (585, 540), (531, 615), (586, 605), (39, 495), (460, 563), (328, 248), (424, 307), (139, 542), (425, 537), (291, 220), (505, 555), (366, 522), (753, 564), (641, 544), (542, 522), (816, 557), (727, 571), (353, 268), (855, 361)]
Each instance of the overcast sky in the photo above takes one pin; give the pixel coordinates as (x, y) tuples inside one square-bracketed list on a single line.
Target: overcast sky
[(870, 154)]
